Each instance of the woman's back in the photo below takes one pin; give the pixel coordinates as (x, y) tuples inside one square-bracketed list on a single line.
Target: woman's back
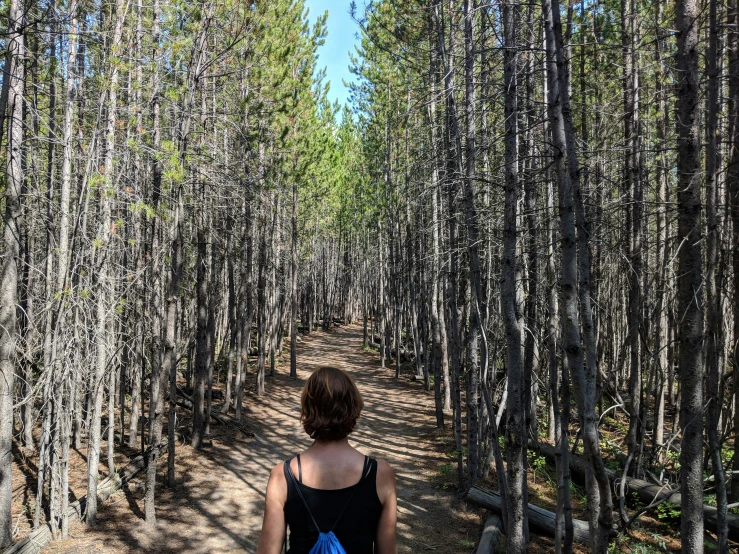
[(351, 512), (331, 486)]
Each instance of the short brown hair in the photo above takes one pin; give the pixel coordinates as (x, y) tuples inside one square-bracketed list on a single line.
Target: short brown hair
[(330, 404)]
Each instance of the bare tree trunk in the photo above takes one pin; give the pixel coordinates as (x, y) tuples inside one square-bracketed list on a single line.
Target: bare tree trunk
[(453, 149), (233, 318), (215, 262), (713, 337), (582, 363), (158, 374), (261, 311), (103, 284), (294, 286), (532, 322), (516, 531), (168, 370), (201, 352), (690, 278), (9, 282), (732, 184), (246, 323), (476, 308), (660, 325), (439, 355), (67, 145), (633, 223)]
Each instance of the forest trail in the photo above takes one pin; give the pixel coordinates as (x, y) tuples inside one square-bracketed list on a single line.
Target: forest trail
[(218, 503)]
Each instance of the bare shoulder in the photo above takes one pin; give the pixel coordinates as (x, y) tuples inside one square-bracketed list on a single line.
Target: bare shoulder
[(278, 472), (386, 488), (385, 472), (277, 485)]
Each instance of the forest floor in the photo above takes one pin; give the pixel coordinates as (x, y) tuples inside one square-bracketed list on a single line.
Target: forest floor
[(217, 504)]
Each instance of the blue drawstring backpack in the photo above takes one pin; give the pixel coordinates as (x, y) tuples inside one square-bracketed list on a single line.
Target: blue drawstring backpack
[(327, 543)]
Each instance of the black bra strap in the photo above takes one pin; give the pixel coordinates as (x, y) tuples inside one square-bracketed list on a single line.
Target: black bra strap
[(289, 473), (300, 470)]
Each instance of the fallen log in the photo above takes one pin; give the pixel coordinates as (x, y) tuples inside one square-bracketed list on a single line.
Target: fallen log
[(41, 537), (186, 402), (540, 520), (577, 463), (405, 354), (649, 493), (189, 391), (490, 539), (224, 419)]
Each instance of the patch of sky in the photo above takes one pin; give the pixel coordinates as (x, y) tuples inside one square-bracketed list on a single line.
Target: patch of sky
[(340, 40)]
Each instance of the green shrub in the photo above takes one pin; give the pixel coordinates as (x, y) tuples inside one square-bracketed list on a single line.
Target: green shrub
[(668, 512)]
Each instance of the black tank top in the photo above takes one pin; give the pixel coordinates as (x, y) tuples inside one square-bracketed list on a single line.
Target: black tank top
[(355, 527)]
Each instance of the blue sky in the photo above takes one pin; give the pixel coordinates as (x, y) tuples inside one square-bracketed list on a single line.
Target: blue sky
[(334, 54)]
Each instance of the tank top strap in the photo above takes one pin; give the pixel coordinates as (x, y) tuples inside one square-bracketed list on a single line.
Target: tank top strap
[(370, 467)]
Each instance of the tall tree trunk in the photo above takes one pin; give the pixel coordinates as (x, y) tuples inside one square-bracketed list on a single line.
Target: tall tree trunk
[(294, 285), (516, 523), (201, 352), (690, 278), (9, 283), (158, 375), (582, 362), (660, 325), (453, 150), (262, 309), (533, 337), (633, 222), (104, 289), (732, 184), (713, 337), (477, 305), (246, 321)]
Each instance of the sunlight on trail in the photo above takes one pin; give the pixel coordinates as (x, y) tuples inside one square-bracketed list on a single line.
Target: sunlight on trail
[(218, 503)]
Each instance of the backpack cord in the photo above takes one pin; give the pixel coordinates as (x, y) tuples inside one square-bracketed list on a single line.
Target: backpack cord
[(290, 474)]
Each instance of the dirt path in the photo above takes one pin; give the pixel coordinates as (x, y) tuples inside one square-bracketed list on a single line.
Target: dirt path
[(217, 505)]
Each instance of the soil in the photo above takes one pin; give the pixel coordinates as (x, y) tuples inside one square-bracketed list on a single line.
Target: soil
[(217, 505), (218, 501)]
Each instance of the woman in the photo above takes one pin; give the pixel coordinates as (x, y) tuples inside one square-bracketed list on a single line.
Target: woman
[(330, 486)]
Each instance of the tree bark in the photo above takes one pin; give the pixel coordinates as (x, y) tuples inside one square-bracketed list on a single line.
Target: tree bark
[(690, 278), (714, 338), (294, 286), (9, 281), (732, 185), (516, 524), (582, 363), (103, 285)]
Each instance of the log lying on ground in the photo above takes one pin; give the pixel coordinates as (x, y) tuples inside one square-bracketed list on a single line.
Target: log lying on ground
[(41, 537), (490, 538), (577, 464), (186, 402), (540, 520), (405, 355), (649, 493), (189, 391)]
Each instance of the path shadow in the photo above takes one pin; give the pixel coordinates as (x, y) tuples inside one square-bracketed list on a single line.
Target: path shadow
[(218, 502)]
